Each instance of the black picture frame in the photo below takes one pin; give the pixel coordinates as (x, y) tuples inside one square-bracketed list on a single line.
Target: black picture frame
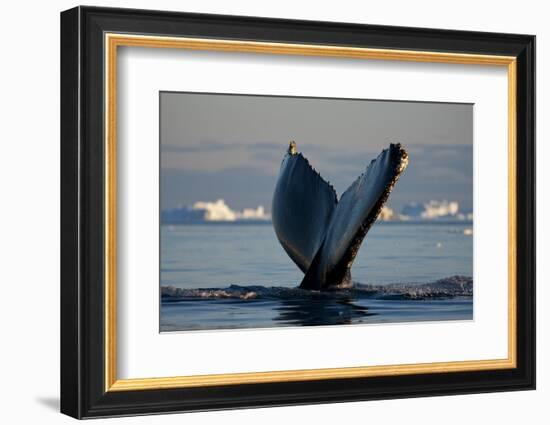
[(83, 392)]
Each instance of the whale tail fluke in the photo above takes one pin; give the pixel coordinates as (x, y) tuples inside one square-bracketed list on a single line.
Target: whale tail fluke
[(321, 234)]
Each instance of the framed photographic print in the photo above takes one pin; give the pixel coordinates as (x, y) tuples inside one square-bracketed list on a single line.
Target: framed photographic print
[(261, 212)]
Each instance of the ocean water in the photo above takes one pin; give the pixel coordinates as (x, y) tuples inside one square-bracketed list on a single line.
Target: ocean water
[(216, 256)]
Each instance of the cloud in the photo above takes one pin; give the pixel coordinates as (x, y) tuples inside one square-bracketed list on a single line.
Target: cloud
[(213, 146), (191, 148), (247, 177), (241, 187), (214, 156)]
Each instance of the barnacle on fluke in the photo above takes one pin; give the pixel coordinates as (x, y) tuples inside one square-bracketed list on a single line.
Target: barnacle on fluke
[(320, 233)]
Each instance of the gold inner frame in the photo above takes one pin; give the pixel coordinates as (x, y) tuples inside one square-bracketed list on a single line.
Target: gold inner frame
[(113, 41)]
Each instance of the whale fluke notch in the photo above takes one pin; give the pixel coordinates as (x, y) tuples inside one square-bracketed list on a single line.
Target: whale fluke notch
[(321, 234)]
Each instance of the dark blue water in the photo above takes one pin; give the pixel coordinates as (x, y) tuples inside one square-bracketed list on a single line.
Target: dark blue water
[(220, 255)]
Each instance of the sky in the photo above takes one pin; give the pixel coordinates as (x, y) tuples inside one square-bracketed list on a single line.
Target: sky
[(231, 146)]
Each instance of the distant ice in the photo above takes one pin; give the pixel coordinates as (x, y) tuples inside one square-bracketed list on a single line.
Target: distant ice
[(217, 211)]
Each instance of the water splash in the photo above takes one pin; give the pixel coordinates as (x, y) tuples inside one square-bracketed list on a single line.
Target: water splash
[(449, 287)]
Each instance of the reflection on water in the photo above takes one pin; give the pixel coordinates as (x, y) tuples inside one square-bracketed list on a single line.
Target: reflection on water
[(206, 314), (320, 312)]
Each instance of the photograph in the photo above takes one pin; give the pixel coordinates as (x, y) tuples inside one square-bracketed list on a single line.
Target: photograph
[(285, 211)]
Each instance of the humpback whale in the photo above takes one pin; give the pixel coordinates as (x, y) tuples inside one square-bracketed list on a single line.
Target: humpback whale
[(320, 233)]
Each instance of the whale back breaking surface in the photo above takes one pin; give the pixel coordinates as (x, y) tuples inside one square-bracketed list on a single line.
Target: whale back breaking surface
[(354, 215), (321, 235), (303, 204)]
